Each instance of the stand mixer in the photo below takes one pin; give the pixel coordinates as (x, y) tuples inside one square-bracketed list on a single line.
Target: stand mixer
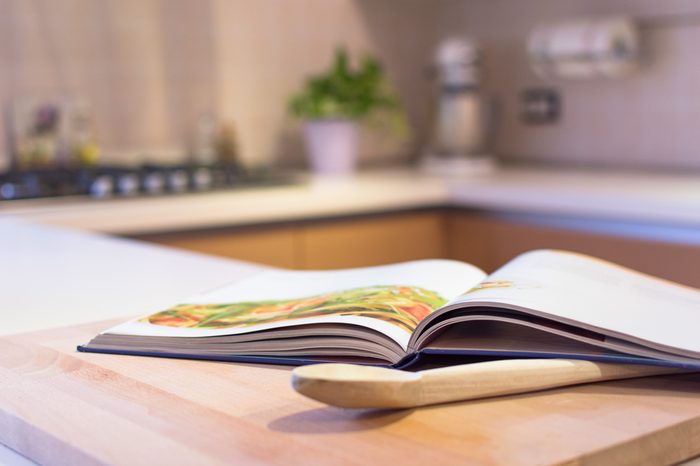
[(462, 117)]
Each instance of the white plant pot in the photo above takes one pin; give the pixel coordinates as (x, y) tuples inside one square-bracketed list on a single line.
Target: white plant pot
[(332, 146)]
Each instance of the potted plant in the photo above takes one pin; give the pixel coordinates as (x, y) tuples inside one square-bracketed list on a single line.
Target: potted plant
[(333, 104)]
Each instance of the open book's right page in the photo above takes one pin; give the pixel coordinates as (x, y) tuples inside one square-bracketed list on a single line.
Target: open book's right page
[(579, 289)]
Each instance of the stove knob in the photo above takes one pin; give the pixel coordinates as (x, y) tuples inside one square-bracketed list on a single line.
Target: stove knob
[(177, 181), (202, 178), (127, 184), (153, 183), (101, 187), (8, 190)]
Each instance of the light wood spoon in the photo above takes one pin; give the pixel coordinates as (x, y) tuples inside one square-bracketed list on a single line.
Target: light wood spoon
[(355, 386)]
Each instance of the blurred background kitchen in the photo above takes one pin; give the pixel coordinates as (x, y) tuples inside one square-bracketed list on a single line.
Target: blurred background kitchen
[(511, 125)]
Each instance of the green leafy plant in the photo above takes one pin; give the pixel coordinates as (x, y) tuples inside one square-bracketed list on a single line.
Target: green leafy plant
[(347, 93)]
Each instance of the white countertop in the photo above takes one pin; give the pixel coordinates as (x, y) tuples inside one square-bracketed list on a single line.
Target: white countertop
[(616, 196), (634, 197), (53, 277)]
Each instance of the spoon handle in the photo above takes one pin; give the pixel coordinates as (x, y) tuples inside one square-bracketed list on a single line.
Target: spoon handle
[(470, 381)]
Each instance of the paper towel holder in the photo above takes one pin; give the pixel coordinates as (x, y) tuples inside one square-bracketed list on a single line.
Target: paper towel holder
[(582, 48)]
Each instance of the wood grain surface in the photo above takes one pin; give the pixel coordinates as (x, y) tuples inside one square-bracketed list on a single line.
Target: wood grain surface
[(58, 406), (489, 242), (323, 244)]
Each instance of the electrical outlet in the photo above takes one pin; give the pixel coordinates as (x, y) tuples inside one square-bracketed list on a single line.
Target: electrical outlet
[(540, 106)]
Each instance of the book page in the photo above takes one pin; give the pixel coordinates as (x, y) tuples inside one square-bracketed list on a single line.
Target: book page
[(390, 299), (582, 290)]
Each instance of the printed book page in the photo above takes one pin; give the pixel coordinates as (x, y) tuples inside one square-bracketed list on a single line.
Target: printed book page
[(603, 296), (390, 299)]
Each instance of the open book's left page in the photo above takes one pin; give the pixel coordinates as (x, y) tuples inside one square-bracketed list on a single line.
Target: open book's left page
[(390, 299)]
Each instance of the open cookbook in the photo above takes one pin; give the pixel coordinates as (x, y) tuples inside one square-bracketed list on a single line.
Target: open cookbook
[(542, 304)]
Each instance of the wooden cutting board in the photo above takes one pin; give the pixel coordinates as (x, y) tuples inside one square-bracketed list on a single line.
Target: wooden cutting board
[(58, 406)]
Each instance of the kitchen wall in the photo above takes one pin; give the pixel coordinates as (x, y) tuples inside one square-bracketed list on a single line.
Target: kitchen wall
[(266, 48), (151, 68), (648, 120), (146, 67)]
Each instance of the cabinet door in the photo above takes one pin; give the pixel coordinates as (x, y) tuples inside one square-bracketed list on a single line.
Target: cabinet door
[(272, 246), (470, 237), (490, 242), (372, 241), (676, 262)]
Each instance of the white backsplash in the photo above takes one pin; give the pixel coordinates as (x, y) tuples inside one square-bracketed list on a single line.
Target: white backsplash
[(647, 120), (151, 67)]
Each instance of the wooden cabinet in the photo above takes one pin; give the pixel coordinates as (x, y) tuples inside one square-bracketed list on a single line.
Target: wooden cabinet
[(352, 242), (490, 241), (487, 241), (273, 246), (470, 238), (373, 241)]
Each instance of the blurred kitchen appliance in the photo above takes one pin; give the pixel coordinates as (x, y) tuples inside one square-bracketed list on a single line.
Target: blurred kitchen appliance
[(462, 119), (147, 180), (56, 155)]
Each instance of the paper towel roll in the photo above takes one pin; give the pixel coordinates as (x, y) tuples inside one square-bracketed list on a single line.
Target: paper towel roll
[(586, 48)]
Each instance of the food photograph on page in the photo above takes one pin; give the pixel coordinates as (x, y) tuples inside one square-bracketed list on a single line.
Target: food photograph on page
[(403, 306)]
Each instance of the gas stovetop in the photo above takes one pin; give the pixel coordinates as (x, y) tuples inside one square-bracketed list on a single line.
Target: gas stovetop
[(107, 182)]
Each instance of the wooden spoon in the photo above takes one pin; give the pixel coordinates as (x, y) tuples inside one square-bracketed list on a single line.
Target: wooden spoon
[(354, 386)]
